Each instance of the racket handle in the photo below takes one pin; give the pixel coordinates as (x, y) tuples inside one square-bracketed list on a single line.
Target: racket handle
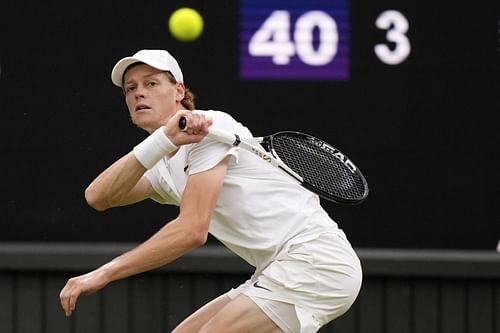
[(183, 123), (214, 133)]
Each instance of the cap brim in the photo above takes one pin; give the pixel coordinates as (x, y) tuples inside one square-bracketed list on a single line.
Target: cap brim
[(120, 68)]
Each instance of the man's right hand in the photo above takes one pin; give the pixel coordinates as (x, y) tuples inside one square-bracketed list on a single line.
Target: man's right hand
[(196, 128)]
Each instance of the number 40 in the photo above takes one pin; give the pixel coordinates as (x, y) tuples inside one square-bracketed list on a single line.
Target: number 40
[(273, 38)]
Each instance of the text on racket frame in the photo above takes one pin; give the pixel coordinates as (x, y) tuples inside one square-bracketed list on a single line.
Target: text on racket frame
[(335, 152)]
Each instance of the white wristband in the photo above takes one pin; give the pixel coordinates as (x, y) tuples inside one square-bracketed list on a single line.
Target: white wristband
[(154, 148)]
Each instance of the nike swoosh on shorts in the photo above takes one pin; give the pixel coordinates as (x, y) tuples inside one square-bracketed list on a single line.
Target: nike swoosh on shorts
[(257, 285)]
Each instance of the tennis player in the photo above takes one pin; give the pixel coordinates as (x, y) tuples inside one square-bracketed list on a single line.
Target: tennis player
[(306, 272)]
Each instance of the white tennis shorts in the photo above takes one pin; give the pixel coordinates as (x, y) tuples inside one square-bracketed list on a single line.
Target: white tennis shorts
[(308, 284)]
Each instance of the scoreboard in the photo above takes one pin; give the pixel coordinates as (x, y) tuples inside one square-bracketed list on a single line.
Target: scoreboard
[(304, 40)]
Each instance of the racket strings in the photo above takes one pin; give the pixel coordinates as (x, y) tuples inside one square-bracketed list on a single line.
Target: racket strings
[(319, 167)]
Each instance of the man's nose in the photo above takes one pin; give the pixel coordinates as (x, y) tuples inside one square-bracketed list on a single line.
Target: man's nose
[(139, 92)]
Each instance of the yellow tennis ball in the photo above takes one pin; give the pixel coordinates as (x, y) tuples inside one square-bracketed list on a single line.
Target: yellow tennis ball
[(185, 24)]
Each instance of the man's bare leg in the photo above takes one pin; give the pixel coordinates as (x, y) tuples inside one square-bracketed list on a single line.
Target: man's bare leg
[(223, 315)]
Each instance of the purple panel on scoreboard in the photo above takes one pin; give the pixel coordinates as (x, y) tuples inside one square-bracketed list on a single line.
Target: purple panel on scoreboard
[(335, 16)]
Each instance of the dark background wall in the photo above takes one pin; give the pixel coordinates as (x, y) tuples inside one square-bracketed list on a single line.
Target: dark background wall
[(424, 132), (404, 291)]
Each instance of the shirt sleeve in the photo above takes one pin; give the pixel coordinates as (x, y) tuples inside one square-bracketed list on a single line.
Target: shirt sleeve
[(208, 153)]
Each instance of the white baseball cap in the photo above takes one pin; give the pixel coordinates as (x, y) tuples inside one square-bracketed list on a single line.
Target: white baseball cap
[(159, 59)]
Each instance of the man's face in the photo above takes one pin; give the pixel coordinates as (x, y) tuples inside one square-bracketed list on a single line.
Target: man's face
[(151, 98)]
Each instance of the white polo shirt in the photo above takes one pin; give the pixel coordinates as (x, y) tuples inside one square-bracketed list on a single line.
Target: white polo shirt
[(259, 209)]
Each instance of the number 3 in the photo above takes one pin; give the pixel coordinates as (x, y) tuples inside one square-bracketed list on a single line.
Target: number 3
[(396, 25)]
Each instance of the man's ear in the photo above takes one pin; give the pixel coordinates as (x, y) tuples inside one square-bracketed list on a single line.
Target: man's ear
[(180, 92)]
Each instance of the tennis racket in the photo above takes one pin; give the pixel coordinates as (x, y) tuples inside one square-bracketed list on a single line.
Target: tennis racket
[(315, 164)]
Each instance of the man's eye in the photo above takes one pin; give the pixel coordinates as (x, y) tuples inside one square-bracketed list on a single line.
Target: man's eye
[(129, 89), (151, 83)]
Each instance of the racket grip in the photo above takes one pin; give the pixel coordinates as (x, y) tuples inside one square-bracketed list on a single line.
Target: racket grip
[(182, 123)]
